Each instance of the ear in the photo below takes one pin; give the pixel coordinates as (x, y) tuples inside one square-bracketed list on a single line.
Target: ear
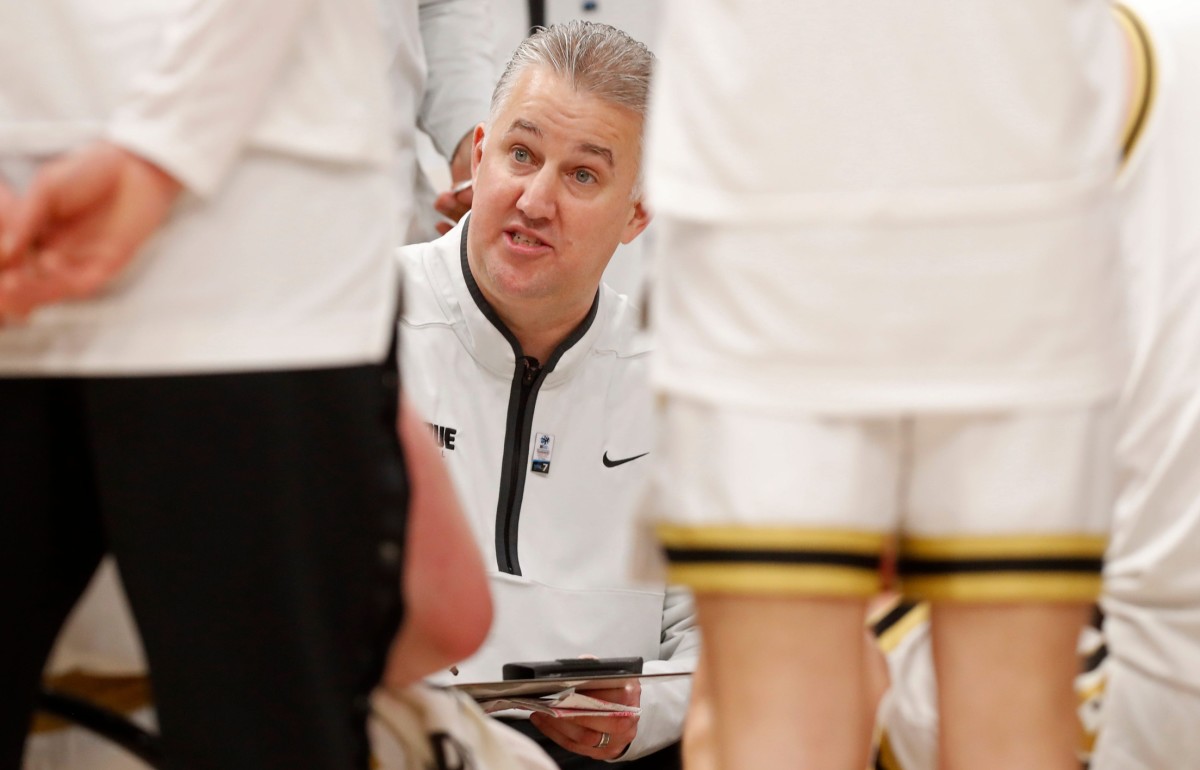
[(639, 218), (476, 150)]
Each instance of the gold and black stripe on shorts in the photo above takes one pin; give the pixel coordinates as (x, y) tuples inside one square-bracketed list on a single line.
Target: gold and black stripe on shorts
[(773, 560), (885, 758), (895, 622), (1024, 568), (116, 693)]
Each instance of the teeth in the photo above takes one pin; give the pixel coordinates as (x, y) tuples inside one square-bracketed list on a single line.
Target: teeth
[(525, 241)]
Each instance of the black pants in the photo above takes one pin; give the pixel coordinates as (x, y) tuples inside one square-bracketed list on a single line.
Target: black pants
[(668, 758), (258, 523)]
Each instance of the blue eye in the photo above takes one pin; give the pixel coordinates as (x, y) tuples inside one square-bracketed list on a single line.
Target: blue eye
[(583, 176), (520, 155)]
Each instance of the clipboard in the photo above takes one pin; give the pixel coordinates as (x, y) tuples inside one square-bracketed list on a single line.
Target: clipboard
[(518, 688)]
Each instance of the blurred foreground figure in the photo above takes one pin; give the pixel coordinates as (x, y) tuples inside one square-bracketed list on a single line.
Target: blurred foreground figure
[(885, 303), (1151, 578), (197, 303), (1141, 690)]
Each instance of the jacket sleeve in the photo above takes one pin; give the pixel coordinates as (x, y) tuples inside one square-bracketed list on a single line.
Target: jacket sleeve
[(665, 704), (191, 112), (459, 51)]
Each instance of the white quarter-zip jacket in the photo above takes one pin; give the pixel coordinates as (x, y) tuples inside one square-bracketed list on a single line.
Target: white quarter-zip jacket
[(549, 461)]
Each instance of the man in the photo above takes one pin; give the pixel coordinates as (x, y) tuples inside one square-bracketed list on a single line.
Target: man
[(441, 71), (532, 375), (886, 303), (192, 362)]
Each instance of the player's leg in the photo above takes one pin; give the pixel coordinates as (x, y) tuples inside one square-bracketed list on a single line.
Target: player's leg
[(258, 523), (1014, 663), (1005, 535), (784, 694), (51, 539), (776, 525)]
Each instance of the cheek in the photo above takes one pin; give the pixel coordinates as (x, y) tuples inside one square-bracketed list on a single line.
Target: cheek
[(487, 204)]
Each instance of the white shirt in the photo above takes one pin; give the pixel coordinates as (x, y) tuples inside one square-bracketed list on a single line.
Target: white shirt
[(1152, 575), (275, 115)]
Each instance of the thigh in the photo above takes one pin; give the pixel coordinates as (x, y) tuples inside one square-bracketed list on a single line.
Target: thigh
[(258, 522), (51, 541), (750, 502), (1008, 506)]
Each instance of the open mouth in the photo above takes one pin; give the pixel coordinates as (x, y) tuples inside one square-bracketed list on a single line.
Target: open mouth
[(520, 239)]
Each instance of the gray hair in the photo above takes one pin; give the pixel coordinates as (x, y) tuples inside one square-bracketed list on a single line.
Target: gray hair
[(593, 58)]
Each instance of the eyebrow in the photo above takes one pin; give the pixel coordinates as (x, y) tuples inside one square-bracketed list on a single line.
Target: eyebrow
[(603, 152), (524, 125), (593, 149)]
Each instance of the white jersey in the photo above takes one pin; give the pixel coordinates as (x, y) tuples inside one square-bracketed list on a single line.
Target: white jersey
[(929, 234), (1151, 582), (275, 116), (549, 463), (1152, 578)]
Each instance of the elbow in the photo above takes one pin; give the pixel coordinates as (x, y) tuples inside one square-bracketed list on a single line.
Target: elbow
[(453, 628)]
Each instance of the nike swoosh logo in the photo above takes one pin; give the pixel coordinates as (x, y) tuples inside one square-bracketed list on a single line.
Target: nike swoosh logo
[(614, 463)]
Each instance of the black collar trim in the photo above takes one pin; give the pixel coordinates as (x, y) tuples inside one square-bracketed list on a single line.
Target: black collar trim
[(490, 313)]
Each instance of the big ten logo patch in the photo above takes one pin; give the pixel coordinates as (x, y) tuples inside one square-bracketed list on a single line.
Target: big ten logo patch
[(443, 436)]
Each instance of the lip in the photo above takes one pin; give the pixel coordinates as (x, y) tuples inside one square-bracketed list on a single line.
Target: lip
[(522, 248)]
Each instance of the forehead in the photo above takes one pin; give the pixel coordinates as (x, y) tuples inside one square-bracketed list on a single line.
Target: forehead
[(545, 101)]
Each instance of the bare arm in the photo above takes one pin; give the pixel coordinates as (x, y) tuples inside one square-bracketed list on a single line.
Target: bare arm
[(448, 608)]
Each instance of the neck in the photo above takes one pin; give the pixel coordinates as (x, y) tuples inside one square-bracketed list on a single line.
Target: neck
[(541, 330)]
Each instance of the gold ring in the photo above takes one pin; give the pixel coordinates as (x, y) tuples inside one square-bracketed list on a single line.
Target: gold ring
[(605, 739)]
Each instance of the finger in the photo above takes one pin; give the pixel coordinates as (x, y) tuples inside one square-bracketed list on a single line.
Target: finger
[(571, 736), (575, 734), (61, 190), (610, 725), (27, 287), (8, 203), (452, 206), (630, 694), (443, 227)]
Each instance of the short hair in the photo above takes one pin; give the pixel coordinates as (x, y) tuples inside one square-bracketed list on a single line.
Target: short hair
[(594, 58)]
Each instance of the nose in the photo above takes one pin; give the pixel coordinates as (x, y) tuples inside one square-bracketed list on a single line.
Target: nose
[(539, 197)]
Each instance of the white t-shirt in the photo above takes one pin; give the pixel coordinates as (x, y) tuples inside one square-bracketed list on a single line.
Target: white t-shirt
[(275, 114), (881, 207), (1152, 576)]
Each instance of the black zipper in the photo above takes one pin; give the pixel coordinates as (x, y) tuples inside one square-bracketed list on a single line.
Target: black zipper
[(527, 378)]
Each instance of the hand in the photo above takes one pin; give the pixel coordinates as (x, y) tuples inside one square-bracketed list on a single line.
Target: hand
[(456, 202), (8, 207), (582, 734), (83, 219)]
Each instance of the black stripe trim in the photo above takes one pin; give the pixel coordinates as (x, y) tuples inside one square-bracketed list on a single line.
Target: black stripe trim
[(481, 302), (144, 745), (756, 556), (894, 616), (518, 429), (1093, 661), (910, 567)]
